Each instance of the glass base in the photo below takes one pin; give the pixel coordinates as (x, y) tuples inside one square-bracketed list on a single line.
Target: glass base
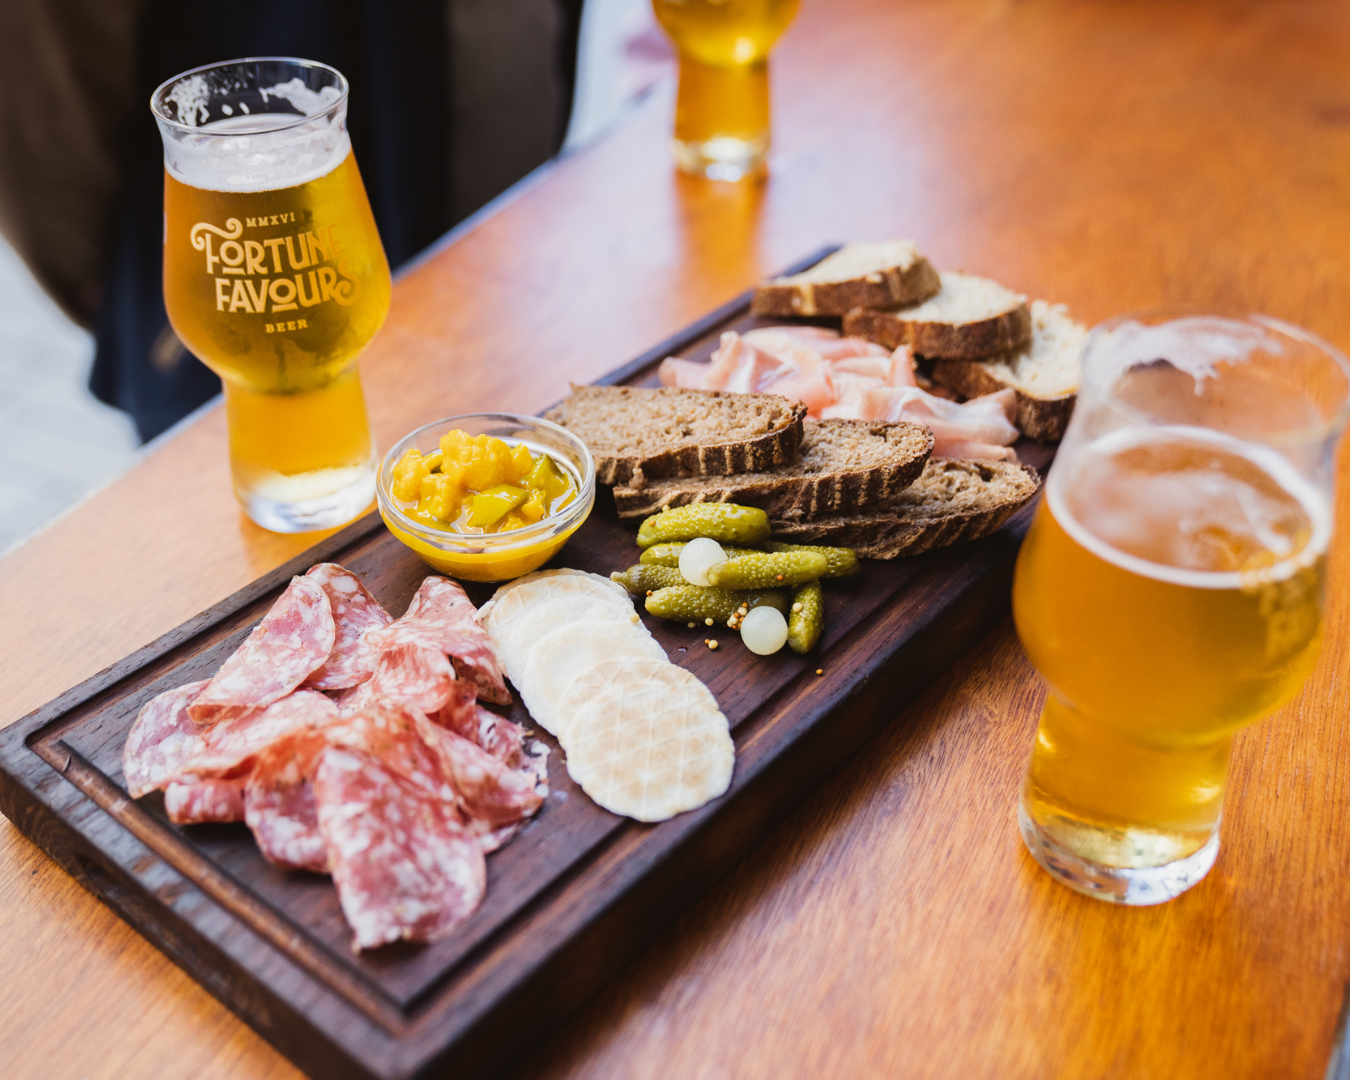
[(322, 499), (1136, 886), (725, 157)]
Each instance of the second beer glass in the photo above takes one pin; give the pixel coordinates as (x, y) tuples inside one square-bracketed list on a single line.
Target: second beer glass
[(274, 275), (1170, 588)]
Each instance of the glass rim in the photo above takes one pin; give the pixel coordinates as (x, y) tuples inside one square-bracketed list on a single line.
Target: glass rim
[(344, 88), (475, 543), (1162, 313)]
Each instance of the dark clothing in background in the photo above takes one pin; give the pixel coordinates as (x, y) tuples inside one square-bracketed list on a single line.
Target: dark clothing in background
[(451, 102)]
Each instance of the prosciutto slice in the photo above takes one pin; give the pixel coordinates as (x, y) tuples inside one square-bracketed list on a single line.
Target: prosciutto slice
[(355, 611), (441, 616), (849, 378), (293, 640)]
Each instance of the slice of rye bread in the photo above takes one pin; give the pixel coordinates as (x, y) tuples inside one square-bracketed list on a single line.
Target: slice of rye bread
[(969, 319), (885, 274), (954, 500), (1044, 375), (638, 434), (843, 464)]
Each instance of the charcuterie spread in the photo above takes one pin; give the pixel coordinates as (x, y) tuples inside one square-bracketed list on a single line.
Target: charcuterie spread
[(390, 776)]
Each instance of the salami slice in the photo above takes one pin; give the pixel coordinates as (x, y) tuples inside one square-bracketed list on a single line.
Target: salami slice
[(227, 745), (293, 640), (490, 790), (352, 701), (279, 804), (414, 674), (392, 733), (404, 865), (218, 799), (161, 739), (355, 611), (442, 616)]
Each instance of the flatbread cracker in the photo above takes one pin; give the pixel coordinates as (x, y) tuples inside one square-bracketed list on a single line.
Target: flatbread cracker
[(649, 741), (513, 599), (514, 639)]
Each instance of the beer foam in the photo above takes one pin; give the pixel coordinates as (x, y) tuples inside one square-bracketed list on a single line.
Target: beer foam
[(258, 151), (1254, 516)]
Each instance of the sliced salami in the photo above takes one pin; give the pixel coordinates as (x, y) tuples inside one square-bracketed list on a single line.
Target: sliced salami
[(161, 739), (392, 733), (227, 745), (490, 791), (355, 611), (219, 799), (414, 674), (442, 616), (279, 804), (353, 700), (404, 865), (293, 640)]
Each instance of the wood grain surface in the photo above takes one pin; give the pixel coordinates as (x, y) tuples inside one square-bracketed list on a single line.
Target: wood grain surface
[(1110, 156)]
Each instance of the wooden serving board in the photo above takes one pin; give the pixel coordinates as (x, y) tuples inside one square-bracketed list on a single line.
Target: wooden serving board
[(573, 897)]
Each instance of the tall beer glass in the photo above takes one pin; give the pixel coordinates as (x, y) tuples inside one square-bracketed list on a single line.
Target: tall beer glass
[(722, 109), (1170, 587), (275, 277)]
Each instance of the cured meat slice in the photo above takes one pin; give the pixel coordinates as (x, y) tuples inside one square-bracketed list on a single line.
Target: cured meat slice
[(161, 739), (414, 673), (490, 790), (404, 865), (279, 804), (355, 611), (500, 737), (392, 733), (230, 743), (218, 799), (352, 701), (443, 617), (293, 640)]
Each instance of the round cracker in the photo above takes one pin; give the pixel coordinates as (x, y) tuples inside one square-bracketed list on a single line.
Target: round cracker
[(651, 744), (513, 599), (514, 639)]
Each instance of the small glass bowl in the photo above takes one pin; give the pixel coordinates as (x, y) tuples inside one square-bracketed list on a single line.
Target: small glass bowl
[(492, 556)]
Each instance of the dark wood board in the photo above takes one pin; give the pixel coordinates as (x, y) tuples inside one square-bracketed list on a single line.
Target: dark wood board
[(573, 897)]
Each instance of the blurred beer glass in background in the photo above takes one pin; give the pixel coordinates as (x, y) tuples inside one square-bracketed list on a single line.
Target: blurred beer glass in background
[(1170, 588), (275, 277), (722, 109)]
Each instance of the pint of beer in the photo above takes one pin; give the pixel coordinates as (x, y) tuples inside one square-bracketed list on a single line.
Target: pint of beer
[(1170, 589), (274, 275), (722, 108)]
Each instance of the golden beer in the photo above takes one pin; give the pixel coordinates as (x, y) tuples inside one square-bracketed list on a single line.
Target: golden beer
[(722, 107), (1170, 591), (274, 275)]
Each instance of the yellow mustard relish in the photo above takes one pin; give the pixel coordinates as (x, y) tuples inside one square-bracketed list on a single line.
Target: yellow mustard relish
[(477, 484)]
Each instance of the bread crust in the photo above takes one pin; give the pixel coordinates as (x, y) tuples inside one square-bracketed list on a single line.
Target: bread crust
[(889, 535), (1042, 419), (788, 498), (892, 287), (1005, 332), (758, 453)]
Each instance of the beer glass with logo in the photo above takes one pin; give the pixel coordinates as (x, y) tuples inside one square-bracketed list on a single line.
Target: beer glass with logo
[(722, 108), (1170, 588), (275, 277)]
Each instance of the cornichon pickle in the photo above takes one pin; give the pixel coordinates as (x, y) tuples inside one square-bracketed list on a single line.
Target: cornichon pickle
[(669, 554), (694, 603), (640, 580), (806, 618), (768, 570), (843, 561), (723, 522)]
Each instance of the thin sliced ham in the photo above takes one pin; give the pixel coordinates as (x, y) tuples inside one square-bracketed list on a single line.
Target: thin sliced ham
[(849, 378)]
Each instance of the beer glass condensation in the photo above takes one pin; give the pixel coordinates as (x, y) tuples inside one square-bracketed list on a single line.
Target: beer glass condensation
[(1170, 588), (274, 275), (722, 105)]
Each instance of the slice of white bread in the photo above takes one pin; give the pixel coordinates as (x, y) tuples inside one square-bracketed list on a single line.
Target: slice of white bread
[(1044, 375), (888, 273), (954, 500), (637, 434), (970, 318), (843, 464)]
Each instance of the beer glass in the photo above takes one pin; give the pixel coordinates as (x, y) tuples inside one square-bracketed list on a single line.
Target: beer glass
[(274, 275), (1170, 588), (722, 107)]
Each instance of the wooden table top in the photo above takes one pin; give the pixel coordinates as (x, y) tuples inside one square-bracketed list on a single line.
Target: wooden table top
[(1108, 156)]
